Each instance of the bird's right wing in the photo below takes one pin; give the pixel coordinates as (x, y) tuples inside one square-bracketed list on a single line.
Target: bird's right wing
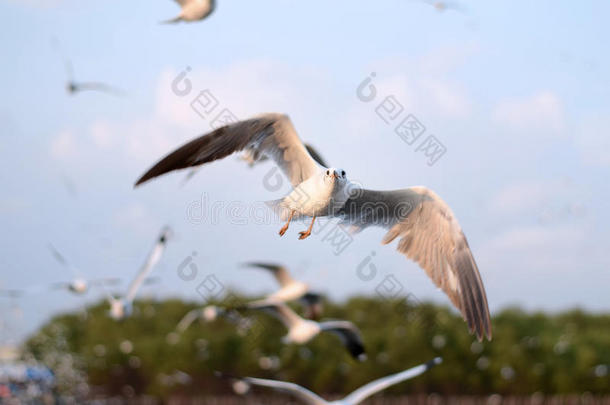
[(316, 155), (378, 385), (297, 391), (280, 273), (271, 134), (152, 259), (279, 310)]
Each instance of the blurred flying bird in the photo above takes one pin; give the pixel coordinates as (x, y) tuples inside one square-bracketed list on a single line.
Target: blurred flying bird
[(193, 10), (291, 290), (121, 308), (208, 314), (310, 398), (73, 86), (78, 285), (425, 226), (301, 330)]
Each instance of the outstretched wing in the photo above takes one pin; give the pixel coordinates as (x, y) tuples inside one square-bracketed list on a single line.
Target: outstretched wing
[(297, 391), (280, 311), (188, 319), (271, 134), (349, 335), (316, 155), (98, 86), (381, 384), (152, 259), (62, 260), (280, 273), (431, 236)]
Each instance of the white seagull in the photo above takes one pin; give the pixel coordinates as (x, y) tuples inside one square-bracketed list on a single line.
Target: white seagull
[(301, 331), (78, 285), (310, 398), (291, 290), (193, 10), (426, 229), (121, 308)]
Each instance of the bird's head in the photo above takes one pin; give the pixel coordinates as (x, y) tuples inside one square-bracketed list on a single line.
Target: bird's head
[(335, 175)]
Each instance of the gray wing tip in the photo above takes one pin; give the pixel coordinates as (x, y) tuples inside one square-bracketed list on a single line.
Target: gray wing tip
[(434, 362)]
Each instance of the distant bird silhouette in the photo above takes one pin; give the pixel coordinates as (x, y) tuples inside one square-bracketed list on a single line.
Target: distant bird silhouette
[(78, 285), (73, 86), (193, 10)]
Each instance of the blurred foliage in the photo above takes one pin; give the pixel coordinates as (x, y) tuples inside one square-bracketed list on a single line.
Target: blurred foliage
[(551, 354)]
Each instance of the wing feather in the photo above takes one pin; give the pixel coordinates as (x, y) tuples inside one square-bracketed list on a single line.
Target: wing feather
[(430, 235), (273, 135)]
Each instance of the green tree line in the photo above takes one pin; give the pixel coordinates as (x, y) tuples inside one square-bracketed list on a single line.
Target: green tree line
[(559, 353)]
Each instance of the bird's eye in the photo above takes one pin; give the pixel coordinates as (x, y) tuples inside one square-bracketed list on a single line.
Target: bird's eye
[(343, 173), (327, 172)]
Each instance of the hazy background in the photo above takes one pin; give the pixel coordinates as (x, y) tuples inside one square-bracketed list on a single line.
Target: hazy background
[(517, 91)]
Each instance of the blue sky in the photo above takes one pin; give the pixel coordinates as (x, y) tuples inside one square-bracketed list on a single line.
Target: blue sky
[(516, 91)]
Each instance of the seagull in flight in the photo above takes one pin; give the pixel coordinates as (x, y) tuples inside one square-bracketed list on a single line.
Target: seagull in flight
[(208, 313), (73, 86), (301, 331), (121, 308), (290, 290), (193, 10), (307, 397), (78, 285), (425, 227)]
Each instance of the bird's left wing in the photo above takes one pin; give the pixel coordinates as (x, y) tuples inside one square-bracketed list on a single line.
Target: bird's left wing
[(152, 259), (297, 391), (378, 385), (431, 236), (349, 335), (279, 272)]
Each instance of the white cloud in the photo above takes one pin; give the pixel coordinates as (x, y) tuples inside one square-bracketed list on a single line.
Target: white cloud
[(542, 111)]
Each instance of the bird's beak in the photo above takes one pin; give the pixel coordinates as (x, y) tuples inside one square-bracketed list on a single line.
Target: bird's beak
[(335, 175)]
